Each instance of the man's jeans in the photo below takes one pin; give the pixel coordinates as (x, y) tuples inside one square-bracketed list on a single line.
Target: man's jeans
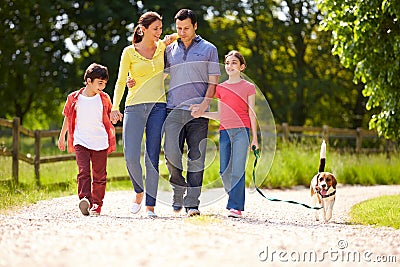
[(137, 118), (180, 126), (234, 148)]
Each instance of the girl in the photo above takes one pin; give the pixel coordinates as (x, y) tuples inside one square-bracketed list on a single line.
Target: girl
[(237, 118)]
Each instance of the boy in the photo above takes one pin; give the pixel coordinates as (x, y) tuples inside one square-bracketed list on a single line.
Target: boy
[(91, 136)]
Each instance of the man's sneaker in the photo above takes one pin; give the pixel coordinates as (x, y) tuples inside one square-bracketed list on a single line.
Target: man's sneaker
[(176, 209), (84, 206), (193, 212), (177, 200), (235, 213), (95, 210)]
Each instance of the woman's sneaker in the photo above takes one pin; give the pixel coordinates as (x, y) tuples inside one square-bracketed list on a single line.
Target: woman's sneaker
[(235, 213), (84, 206), (95, 210)]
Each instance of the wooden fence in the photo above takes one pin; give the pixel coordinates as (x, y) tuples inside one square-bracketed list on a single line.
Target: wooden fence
[(37, 159), (326, 133), (286, 131)]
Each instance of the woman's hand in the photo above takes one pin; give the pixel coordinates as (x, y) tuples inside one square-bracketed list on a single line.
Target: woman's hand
[(115, 116)]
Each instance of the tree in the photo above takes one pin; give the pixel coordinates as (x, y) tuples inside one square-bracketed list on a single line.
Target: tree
[(290, 60), (38, 67), (46, 47), (31, 54), (366, 37)]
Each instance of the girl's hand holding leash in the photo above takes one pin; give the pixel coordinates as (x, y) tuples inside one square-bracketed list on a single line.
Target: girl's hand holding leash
[(254, 145)]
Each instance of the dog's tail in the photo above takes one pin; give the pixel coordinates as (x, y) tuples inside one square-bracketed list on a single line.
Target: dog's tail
[(322, 157)]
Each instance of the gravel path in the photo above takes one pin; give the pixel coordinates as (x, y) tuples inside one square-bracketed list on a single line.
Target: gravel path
[(54, 233)]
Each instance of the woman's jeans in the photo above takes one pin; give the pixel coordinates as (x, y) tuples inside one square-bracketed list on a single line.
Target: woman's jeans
[(234, 148), (137, 119)]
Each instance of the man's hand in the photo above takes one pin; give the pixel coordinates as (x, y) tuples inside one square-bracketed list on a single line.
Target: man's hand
[(197, 110), (130, 82), (194, 110)]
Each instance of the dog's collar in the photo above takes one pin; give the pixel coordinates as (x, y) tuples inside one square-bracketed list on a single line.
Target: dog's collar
[(328, 195)]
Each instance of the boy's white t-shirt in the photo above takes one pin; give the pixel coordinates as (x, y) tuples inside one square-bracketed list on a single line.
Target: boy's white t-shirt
[(89, 128)]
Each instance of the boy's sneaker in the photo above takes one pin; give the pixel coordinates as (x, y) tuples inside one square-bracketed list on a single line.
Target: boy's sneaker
[(95, 210), (235, 213), (84, 206)]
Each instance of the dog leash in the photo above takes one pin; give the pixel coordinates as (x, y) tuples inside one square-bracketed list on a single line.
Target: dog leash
[(257, 156)]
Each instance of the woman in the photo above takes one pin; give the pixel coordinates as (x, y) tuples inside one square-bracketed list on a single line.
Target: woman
[(145, 106)]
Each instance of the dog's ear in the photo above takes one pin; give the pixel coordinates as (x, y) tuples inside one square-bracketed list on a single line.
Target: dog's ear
[(334, 182), (318, 175)]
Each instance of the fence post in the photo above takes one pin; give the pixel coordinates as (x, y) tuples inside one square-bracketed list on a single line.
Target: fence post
[(359, 140), (285, 131), (15, 149), (388, 148), (36, 160)]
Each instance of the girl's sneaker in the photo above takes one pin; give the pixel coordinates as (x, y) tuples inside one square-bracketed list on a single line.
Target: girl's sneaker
[(235, 213)]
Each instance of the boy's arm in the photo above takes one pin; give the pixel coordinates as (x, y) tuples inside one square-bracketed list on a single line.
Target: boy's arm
[(253, 120), (61, 139)]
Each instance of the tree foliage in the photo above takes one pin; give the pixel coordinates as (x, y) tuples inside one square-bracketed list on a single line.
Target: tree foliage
[(47, 46), (366, 37), (31, 57), (290, 61)]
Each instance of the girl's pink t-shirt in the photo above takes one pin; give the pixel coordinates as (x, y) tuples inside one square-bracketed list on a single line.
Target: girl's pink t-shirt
[(234, 111)]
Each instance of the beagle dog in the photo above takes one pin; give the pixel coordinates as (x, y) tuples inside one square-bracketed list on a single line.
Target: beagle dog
[(323, 188)]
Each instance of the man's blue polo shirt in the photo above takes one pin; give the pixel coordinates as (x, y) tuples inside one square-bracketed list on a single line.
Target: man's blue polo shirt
[(189, 69)]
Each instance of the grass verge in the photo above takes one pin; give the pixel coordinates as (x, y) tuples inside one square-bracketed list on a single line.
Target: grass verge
[(15, 196), (380, 211)]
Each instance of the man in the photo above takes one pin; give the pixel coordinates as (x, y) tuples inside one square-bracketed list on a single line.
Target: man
[(192, 64)]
